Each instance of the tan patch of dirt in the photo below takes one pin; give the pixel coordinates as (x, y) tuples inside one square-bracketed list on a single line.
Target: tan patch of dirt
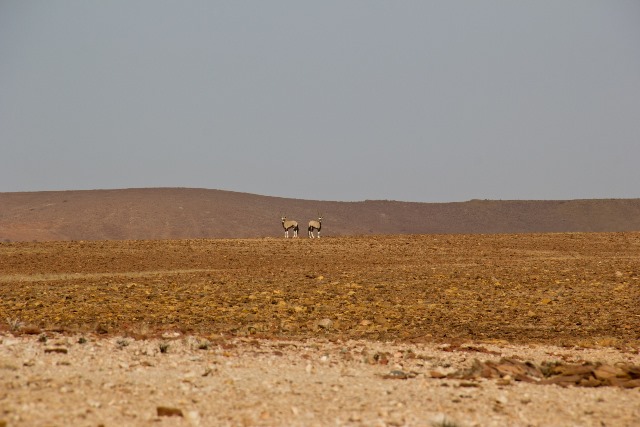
[(86, 380)]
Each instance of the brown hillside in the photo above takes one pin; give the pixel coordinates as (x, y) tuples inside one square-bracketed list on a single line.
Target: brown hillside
[(174, 213)]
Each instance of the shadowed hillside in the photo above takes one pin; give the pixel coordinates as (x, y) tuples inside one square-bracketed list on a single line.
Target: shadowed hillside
[(175, 213)]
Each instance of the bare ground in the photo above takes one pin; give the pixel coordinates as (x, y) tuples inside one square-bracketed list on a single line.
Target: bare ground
[(378, 330), (183, 213)]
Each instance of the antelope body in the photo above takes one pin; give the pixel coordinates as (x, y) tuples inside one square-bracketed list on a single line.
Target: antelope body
[(315, 225), (289, 224)]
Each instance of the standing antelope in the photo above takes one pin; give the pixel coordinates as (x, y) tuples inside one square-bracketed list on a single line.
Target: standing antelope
[(289, 224), (315, 225)]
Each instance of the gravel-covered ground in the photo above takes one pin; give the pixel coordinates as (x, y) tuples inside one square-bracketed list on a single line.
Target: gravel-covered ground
[(434, 330), (119, 381)]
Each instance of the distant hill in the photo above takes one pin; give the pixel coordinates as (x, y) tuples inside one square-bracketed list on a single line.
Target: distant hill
[(177, 213)]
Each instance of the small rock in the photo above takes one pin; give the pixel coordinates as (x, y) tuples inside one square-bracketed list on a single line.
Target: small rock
[(165, 411), (607, 372), (210, 371), (504, 381), (399, 375), (102, 329), (441, 420), (325, 323), (355, 418), (468, 384), (61, 350), (31, 330), (396, 420), (8, 366), (502, 400), (194, 417), (170, 334), (437, 374)]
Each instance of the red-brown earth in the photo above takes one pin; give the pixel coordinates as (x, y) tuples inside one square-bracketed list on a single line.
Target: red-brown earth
[(187, 213), (349, 311), (564, 288)]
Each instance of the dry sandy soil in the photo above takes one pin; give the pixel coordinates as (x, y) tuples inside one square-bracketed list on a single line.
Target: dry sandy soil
[(425, 330)]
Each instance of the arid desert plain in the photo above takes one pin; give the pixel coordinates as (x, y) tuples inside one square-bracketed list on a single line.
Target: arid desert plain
[(415, 330)]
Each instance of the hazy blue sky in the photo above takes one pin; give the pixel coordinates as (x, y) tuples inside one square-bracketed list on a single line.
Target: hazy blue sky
[(427, 101)]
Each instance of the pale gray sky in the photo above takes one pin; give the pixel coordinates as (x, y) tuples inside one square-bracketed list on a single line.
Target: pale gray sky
[(429, 101)]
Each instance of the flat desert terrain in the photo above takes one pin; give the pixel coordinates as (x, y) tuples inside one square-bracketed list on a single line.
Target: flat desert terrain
[(416, 330)]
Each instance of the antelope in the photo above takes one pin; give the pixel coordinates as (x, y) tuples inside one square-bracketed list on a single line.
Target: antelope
[(288, 224), (315, 225)]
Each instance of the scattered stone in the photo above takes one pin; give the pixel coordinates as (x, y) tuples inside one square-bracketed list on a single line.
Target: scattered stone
[(399, 375), (564, 375), (325, 323), (209, 371), (606, 372), (165, 411), (5, 365), (437, 375), (102, 330), (468, 384), (506, 380), (31, 330), (194, 417), (170, 334), (355, 418), (60, 350), (378, 358)]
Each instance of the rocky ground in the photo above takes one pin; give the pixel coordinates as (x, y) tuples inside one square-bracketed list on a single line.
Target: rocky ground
[(456, 330), (186, 381)]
